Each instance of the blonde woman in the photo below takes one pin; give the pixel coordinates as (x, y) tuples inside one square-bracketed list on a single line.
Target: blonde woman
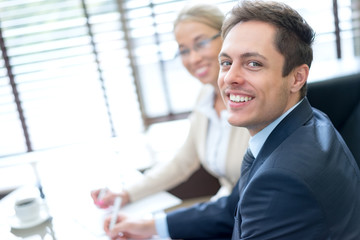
[(211, 142)]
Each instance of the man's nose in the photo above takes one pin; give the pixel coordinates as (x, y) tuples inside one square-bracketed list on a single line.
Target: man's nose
[(234, 75)]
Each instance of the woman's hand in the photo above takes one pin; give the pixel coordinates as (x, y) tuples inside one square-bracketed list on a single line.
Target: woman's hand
[(108, 197)]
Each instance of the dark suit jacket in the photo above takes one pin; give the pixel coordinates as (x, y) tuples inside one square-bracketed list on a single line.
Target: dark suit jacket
[(304, 184)]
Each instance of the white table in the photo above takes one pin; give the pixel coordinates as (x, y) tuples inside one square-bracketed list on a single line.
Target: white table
[(67, 177)]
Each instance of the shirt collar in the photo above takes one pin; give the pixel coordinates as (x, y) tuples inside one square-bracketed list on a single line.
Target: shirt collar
[(206, 103), (257, 141)]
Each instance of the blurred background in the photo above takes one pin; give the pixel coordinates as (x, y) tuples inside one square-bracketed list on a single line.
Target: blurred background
[(73, 71)]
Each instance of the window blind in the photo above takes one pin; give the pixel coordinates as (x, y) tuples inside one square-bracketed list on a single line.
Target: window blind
[(71, 71), (81, 70)]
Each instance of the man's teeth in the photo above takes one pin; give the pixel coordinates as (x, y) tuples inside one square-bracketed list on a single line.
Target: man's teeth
[(238, 98)]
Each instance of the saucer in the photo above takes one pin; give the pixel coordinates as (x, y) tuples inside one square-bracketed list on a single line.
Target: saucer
[(16, 223)]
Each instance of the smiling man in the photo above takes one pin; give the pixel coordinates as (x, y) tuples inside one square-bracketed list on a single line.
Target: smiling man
[(251, 77), (298, 180), (302, 182)]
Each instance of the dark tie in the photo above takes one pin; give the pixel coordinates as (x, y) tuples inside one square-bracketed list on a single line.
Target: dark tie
[(245, 168), (247, 161)]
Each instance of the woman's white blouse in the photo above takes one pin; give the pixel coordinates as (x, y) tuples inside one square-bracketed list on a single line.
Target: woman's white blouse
[(217, 135)]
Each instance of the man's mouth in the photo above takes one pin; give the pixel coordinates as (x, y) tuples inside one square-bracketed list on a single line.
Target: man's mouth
[(238, 98)]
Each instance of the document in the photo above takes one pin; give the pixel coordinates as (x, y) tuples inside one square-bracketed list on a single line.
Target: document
[(91, 217)]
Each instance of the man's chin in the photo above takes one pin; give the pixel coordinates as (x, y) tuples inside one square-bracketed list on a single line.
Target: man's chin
[(235, 122)]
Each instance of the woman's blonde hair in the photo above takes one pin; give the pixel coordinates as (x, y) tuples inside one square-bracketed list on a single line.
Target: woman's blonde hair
[(204, 13)]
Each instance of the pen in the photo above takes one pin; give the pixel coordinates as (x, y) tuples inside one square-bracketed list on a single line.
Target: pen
[(117, 205), (102, 194)]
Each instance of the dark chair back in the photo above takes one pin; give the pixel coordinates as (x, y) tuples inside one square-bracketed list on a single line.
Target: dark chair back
[(339, 98)]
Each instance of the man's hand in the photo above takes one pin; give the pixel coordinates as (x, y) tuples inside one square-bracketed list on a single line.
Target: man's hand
[(130, 228)]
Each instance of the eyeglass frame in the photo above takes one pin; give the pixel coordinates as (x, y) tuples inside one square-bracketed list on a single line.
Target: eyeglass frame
[(198, 45)]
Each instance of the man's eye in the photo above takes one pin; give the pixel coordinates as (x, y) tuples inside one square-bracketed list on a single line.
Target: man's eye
[(254, 64), (225, 63)]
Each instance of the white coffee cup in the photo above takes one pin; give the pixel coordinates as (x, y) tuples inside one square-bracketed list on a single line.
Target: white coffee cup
[(27, 209)]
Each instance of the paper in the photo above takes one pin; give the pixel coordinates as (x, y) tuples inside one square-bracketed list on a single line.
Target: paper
[(151, 204), (92, 218)]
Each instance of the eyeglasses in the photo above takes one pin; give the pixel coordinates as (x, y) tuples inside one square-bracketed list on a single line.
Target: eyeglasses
[(198, 46)]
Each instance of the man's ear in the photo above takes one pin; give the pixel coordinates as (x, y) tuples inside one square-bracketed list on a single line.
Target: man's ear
[(300, 76)]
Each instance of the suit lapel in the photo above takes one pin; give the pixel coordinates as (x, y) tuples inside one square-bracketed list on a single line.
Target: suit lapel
[(295, 119)]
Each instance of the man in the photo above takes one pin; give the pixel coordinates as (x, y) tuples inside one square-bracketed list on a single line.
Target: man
[(302, 181)]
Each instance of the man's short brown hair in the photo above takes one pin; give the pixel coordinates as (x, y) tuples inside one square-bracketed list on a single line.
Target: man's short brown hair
[(294, 37)]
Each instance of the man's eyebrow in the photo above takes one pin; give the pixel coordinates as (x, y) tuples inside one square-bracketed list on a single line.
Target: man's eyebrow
[(252, 54), (244, 55), (222, 54)]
